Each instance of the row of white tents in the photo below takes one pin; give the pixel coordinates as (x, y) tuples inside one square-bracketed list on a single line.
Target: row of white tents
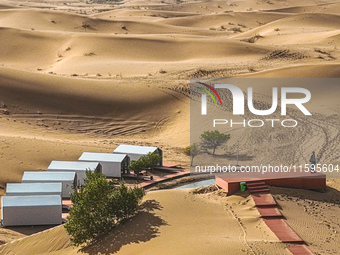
[(37, 200)]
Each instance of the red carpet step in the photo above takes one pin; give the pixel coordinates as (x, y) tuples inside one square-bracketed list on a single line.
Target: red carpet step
[(262, 200), (269, 212), (283, 231), (300, 250)]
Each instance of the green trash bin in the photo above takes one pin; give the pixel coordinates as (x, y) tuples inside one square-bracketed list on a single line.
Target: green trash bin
[(243, 186)]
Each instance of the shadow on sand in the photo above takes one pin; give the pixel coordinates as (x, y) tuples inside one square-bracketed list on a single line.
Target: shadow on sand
[(230, 156), (30, 230), (141, 228)]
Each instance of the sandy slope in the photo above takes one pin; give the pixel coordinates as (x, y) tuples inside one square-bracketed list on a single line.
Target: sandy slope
[(109, 54), (332, 8), (61, 105), (305, 71), (151, 15), (59, 95), (206, 226), (69, 22), (227, 20), (312, 215), (297, 29)]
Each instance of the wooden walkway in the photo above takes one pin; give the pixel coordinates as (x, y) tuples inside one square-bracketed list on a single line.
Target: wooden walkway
[(159, 179)]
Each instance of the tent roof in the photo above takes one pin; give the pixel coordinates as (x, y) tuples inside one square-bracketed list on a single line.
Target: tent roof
[(102, 157), (72, 165), (33, 187), (48, 176), (21, 201), (134, 149)]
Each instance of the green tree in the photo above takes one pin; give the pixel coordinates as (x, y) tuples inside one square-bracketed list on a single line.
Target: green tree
[(192, 151), (151, 159), (186, 150), (98, 206), (125, 201), (145, 162), (213, 139), (137, 166)]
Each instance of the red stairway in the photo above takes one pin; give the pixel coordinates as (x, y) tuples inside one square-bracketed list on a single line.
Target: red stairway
[(257, 187)]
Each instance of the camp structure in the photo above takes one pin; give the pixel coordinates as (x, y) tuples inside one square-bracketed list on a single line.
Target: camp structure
[(113, 165), (137, 151), (67, 179), (33, 189), (75, 166), (31, 210)]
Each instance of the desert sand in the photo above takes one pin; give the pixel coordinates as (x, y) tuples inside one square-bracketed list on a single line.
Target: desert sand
[(209, 225), (85, 76)]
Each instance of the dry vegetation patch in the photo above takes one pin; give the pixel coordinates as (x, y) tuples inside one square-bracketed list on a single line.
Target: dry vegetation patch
[(284, 54)]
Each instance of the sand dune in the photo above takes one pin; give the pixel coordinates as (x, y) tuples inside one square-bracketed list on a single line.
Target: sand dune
[(57, 237), (78, 106), (332, 39), (302, 23), (24, 49), (142, 14), (6, 6), (245, 20), (331, 8), (306, 39), (67, 22), (310, 71), (65, 96), (221, 6), (87, 53)]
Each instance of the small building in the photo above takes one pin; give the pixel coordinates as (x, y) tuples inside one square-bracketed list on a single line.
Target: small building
[(31, 210), (137, 151), (75, 166), (113, 165), (33, 189), (67, 179)]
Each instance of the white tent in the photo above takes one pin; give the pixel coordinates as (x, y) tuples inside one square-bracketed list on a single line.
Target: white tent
[(68, 179), (112, 164), (31, 189), (75, 166), (137, 151), (31, 210)]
